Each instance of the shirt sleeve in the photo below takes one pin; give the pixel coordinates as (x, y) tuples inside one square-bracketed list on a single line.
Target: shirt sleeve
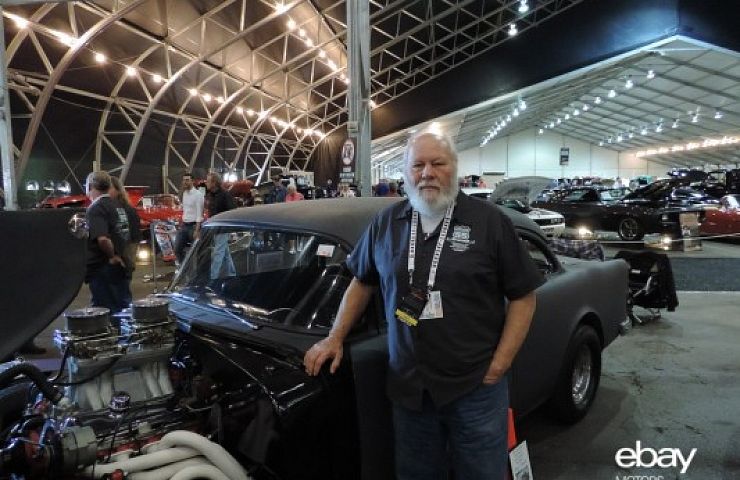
[(97, 223), (362, 260), (199, 201), (518, 275)]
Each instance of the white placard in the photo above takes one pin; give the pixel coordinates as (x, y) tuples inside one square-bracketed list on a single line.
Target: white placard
[(325, 250), (520, 466)]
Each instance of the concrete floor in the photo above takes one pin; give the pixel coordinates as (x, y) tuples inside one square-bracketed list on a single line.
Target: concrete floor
[(674, 383)]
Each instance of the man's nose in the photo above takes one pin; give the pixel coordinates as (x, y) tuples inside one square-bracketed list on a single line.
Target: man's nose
[(428, 171)]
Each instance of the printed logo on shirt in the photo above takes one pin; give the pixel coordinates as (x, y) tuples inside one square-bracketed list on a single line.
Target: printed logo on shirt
[(460, 240)]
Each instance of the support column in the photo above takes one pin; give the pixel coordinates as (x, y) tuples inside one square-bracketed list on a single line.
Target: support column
[(10, 184), (358, 99)]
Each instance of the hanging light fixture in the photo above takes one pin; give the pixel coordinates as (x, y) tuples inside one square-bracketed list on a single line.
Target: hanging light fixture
[(650, 74), (523, 6), (629, 83), (585, 107), (717, 115), (675, 123), (597, 100), (612, 93), (512, 29)]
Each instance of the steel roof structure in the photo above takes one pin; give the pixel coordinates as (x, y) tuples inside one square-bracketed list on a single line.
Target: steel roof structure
[(248, 85)]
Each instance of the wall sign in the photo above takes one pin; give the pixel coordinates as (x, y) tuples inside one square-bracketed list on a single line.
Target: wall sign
[(347, 174), (564, 155)]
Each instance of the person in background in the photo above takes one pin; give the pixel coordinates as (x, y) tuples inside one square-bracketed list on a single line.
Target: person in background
[(451, 335), (277, 192), (345, 191), (331, 189), (2, 199), (293, 194), (118, 193), (393, 190), (109, 235), (381, 190), (481, 183), (219, 200), (192, 216)]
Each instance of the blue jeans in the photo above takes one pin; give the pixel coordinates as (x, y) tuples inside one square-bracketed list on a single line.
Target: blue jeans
[(468, 435), (183, 238), (109, 288)]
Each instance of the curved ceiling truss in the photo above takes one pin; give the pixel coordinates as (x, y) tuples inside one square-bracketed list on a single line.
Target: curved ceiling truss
[(242, 85)]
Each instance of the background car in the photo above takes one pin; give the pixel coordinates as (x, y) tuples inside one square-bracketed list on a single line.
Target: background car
[(518, 193), (724, 220), (164, 207), (260, 287)]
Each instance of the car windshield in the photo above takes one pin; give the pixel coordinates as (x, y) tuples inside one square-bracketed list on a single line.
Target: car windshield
[(610, 195), (267, 275)]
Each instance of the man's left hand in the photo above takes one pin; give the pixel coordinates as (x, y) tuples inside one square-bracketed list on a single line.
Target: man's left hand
[(495, 372)]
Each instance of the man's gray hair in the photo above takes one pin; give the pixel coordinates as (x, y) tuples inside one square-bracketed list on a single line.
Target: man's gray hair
[(99, 180), (215, 177), (441, 138)]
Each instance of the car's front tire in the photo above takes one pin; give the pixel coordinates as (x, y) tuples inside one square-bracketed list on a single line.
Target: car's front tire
[(579, 376), (630, 229)]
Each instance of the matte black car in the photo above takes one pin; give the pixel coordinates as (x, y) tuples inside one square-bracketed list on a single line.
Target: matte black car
[(259, 287), (655, 208)]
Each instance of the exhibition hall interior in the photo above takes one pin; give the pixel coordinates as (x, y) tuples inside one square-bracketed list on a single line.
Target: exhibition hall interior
[(210, 214)]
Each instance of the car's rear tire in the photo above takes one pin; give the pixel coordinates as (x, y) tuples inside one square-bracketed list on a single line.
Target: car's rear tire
[(630, 229), (579, 376)]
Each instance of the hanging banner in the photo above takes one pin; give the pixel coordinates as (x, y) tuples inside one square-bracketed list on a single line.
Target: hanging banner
[(347, 173), (564, 155)]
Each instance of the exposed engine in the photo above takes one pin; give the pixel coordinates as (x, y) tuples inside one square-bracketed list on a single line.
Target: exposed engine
[(128, 402)]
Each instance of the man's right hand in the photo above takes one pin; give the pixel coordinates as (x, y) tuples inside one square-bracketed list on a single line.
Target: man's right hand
[(320, 353)]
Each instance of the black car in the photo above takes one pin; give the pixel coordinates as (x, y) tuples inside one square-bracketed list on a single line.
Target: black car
[(655, 208), (209, 375)]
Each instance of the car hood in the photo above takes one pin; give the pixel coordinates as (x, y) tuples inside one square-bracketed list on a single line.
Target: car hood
[(44, 272), (542, 213), (525, 189)]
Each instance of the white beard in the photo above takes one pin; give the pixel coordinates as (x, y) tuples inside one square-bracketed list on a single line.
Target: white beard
[(436, 207)]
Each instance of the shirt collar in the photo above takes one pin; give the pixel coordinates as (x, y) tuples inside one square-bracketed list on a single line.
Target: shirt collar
[(99, 197)]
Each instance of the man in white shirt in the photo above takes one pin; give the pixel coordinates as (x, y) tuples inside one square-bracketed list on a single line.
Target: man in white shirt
[(192, 216)]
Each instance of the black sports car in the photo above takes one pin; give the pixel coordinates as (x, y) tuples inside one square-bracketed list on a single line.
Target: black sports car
[(217, 385), (655, 208)]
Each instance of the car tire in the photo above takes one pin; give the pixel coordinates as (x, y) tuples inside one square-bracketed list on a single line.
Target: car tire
[(579, 377), (630, 229)]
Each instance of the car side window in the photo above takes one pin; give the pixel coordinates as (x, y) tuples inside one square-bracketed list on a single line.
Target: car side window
[(540, 255)]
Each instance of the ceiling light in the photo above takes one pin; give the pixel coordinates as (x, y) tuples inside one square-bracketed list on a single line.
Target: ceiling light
[(193, 92), (65, 39), (508, 118), (130, 71), (99, 57), (597, 100), (567, 116), (207, 97), (220, 99), (291, 24), (262, 114), (280, 7), (631, 134), (644, 130), (20, 22), (522, 105), (540, 131), (585, 107), (157, 78), (612, 93), (302, 32), (558, 121), (309, 42), (619, 137), (695, 118), (332, 65), (629, 83), (576, 112), (609, 140), (717, 115), (675, 124), (552, 124), (523, 7), (512, 29), (239, 110), (601, 143), (322, 54), (250, 112), (650, 74), (372, 104), (658, 128), (516, 112)]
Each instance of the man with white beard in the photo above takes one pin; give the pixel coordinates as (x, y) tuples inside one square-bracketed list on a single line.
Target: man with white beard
[(445, 263)]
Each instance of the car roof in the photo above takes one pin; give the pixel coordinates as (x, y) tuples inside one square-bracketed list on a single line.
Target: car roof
[(342, 218)]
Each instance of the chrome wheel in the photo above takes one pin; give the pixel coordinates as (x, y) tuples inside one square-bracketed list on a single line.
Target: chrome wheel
[(630, 229), (581, 378)]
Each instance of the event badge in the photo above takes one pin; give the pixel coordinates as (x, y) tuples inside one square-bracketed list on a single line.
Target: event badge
[(433, 308), (411, 306)]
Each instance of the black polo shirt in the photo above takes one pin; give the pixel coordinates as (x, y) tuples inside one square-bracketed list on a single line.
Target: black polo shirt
[(105, 217), (482, 263), (218, 201)]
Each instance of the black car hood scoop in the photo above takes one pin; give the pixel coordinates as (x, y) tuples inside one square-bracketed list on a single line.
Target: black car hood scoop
[(43, 265)]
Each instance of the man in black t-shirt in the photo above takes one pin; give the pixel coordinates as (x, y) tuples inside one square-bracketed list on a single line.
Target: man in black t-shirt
[(109, 233)]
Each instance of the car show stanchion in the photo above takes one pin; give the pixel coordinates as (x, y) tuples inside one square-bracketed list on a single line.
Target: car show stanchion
[(153, 239)]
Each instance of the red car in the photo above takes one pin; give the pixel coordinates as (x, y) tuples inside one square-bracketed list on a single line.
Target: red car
[(165, 206), (82, 201), (723, 220)]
